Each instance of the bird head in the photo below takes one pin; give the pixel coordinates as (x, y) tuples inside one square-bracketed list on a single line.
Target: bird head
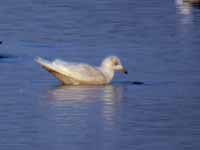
[(114, 63)]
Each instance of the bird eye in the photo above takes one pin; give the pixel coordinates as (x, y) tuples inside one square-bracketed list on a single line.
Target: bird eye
[(116, 63)]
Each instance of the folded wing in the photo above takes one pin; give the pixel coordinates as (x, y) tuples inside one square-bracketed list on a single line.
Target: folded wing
[(73, 72)]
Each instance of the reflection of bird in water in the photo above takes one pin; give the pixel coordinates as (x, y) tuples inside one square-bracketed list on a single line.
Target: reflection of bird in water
[(186, 16), (183, 7), (78, 73), (79, 100), (193, 2), (86, 93)]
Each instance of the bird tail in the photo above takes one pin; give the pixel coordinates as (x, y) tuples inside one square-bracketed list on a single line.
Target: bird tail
[(54, 70), (45, 63)]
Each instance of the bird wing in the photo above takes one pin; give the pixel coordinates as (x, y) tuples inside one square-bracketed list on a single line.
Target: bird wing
[(81, 72), (74, 72)]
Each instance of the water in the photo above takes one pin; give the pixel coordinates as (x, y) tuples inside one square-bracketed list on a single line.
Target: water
[(155, 107)]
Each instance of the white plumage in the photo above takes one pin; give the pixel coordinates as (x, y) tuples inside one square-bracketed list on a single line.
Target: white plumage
[(79, 73)]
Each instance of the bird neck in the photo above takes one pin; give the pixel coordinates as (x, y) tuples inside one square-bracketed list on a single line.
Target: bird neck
[(108, 73)]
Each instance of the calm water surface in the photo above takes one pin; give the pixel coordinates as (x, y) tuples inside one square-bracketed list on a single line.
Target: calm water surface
[(158, 42)]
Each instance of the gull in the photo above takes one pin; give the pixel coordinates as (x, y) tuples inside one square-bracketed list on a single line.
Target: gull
[(70, 73)]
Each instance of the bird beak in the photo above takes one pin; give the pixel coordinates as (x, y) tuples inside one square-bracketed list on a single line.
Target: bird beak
[(124, 71)]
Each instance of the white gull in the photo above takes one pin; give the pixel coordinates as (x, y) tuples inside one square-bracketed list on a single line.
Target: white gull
[(83, 74)]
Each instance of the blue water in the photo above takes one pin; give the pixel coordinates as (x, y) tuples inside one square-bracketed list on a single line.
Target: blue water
[(156, 106)]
